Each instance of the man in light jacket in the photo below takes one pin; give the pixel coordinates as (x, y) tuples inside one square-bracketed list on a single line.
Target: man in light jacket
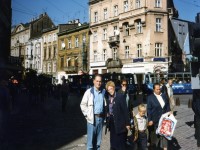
[(93, 108)]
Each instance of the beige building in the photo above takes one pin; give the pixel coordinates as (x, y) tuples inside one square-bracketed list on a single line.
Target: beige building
[(132, 36), (19, 38), (50, 51), (73, 45)]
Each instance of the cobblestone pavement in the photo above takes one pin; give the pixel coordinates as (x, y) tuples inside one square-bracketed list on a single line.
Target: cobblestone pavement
[(45, 127)]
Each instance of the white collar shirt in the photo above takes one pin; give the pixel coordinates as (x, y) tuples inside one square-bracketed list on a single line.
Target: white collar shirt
[(142, 122), (160, 100)]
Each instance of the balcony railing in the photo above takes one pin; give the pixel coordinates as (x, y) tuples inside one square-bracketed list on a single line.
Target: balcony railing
[(113, 39), (71, 69)]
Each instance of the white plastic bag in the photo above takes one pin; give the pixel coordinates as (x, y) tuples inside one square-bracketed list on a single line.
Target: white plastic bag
[(166, 126)]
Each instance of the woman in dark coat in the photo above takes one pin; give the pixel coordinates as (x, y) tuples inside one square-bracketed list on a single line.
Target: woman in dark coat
[(117, 112)]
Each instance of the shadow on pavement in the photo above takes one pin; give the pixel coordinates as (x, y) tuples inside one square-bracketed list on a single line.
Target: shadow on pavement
[(44, 126)]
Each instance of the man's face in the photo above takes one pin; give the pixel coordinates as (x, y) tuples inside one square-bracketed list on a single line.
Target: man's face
[(124, 86), (97, 82), (170, 82), (157, 89), (111, 90)]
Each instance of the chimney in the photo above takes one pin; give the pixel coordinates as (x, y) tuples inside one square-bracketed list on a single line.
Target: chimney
[(76, 21)]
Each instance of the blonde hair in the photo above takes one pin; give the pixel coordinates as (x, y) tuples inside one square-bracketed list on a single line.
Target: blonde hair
[(141, 106), (110, 83)]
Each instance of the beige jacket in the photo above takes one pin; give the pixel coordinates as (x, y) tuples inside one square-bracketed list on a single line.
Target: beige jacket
[(87, 105)]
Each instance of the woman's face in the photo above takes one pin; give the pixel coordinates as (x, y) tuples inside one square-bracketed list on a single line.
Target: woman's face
[(111, 90)]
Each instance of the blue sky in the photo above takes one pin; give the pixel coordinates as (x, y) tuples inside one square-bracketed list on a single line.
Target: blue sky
[(61, 11)]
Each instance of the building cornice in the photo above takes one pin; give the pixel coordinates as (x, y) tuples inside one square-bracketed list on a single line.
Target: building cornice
[(73, 30), (91, 2), (105, 22)]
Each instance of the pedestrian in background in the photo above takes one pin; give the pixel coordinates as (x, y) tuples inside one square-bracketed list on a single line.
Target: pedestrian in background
[(157, 105), (124, 90), (170, 94), (93, 108), (119, 122), (196, 109), (64, 91), (163, 86)]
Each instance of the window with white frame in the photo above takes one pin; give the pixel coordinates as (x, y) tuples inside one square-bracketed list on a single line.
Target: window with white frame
[(127, 52), (95, 16), (158, 49), (49, 67), (68, 62), (95, 36), (126, 29), (62, 44), (104, 34), (126, 6), (69, 43), (44, 38), (158, 24), (114, 53), (54, 37), (84, 38), (49, 38), (139, 26), (139, 50), (158, 3), (95, 56), (104, 55), (76, 61), (137, 4), (105, 13), (76, 42), (54, 67), (116, 10), (115, 30)]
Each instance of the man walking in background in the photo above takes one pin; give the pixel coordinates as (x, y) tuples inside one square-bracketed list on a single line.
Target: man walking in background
[(170, 94), (64, 91)]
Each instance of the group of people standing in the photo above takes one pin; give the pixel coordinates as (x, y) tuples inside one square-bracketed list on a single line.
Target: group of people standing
[(100, 104)]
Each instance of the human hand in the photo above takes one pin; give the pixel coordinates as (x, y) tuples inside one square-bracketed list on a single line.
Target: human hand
[(150, 123), (128, 127)]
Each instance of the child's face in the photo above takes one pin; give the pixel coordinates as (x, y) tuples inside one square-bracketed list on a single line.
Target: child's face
[(142, 112)]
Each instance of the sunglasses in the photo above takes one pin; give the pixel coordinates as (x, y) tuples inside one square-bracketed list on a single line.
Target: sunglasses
[(124, 84)]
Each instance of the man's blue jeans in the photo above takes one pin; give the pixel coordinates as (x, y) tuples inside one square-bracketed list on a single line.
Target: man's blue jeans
[(94, 134)]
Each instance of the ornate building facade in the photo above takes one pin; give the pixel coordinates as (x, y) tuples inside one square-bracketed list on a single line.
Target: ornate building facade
[(73, 46), (50, 51), (131, 36)]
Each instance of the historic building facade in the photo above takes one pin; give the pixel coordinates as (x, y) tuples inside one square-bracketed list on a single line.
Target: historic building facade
[(73, 46), (50, 51), (19, 38), (34, 53), (132, 36)]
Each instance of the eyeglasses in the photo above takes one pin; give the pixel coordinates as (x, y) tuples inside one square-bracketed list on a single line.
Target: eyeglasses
[(124, 84)]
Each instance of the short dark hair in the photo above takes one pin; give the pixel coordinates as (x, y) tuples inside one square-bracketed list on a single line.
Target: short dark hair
[(97, 75), (163, 79), (123, 80), (155, 84)]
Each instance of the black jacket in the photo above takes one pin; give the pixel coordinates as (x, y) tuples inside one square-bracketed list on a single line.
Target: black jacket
[(196, 102), (154, 109), (120, 112)]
